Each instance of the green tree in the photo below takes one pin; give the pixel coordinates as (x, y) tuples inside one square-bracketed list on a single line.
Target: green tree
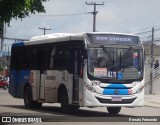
[(13, 9), (10, 9), (1, 69)]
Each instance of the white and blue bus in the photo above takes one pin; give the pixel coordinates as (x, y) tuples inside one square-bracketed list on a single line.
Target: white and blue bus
[(79, 70)]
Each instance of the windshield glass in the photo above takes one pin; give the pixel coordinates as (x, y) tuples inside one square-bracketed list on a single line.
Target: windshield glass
[(112, 63)]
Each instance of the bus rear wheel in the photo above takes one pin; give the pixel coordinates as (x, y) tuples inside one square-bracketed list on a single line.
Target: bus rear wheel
[(113, 110), (66, 108), (28, 102)]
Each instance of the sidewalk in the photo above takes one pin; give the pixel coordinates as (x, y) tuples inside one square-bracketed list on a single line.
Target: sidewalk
[(152, 101)]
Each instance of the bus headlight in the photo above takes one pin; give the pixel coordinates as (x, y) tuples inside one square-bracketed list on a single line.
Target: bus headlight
[(90, 87), (140, 89)]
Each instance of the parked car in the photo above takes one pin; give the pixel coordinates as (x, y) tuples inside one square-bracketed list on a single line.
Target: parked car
[(4, 83)]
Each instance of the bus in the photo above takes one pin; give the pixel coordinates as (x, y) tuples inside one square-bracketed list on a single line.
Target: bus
[(93, 69)]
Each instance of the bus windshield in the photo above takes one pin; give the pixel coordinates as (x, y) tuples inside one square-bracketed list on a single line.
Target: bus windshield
[(115, 63)]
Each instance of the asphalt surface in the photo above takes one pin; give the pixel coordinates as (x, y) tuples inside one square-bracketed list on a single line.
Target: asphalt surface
[(13, 107)]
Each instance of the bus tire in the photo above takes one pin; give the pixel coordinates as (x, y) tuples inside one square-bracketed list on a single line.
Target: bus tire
[(74, 107), (113, 110), (37, 105), (28, 97), (65, 107), (28, 101)]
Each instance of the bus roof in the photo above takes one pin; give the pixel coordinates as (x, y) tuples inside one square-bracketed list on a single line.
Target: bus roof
[(57, 37)]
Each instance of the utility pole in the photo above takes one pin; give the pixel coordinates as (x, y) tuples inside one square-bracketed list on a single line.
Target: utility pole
[(44, 28), (94, 13), (5, 60), (151, 58), (2, 34)]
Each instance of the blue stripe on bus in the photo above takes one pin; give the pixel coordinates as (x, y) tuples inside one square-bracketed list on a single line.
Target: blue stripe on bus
[(110, 89), (112, 92), (18, 44), (118, 86)]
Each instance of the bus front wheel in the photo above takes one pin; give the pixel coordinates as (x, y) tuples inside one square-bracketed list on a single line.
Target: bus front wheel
[(113, 110), (66, 108)]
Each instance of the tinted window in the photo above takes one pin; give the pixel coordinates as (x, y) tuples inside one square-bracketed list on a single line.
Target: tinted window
[(17, 58), (30, 58), (61, 59), (52, 57)]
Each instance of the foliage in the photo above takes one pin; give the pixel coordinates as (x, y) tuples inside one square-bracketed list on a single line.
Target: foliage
[(10, 9), (1, 69)]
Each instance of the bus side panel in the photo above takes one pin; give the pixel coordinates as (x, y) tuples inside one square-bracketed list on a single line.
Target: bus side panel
[(81, 92), (35, 84), (13, 83), (51, 86), (53, 80)]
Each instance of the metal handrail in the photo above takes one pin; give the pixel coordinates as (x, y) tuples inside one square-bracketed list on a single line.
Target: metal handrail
[(155, 74), (147, 75)]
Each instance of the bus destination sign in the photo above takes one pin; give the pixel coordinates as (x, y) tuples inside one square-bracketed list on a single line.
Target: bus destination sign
[(114, 39)]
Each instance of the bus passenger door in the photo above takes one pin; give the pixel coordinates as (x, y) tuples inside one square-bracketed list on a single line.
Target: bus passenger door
[(42, 64), (76, 68)]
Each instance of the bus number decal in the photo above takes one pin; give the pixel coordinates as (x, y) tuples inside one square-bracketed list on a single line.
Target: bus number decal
[(50, 78)]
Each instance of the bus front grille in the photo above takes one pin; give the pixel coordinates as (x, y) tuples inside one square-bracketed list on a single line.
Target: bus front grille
[(109, 101)]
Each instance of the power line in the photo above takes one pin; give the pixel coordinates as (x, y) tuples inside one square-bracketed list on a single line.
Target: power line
[(71, 14), (143, 32), (157, 29), (73, 19), (147, 31), (143, 29)]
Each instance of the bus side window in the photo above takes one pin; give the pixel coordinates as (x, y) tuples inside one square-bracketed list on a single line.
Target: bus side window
[(75, 58), (30, 58), (71, 61), (61, 58), (42, 59), (52, 57), (17, 59)]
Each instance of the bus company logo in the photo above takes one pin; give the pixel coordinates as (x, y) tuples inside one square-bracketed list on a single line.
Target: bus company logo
[(31, 78), (6, 119), (116, 92)]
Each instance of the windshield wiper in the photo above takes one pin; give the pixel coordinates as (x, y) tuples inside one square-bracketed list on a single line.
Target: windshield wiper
[(126, 53), (107, 53)]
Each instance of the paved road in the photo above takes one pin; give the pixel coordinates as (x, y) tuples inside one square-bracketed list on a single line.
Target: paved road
[(10, 106)]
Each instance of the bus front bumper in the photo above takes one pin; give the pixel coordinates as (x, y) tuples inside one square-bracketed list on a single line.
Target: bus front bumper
[(96, 100)]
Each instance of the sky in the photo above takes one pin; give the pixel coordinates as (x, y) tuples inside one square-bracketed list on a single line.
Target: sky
[(72, 16)]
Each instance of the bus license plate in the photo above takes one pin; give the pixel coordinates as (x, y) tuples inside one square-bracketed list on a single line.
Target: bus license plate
[(116, 99)]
